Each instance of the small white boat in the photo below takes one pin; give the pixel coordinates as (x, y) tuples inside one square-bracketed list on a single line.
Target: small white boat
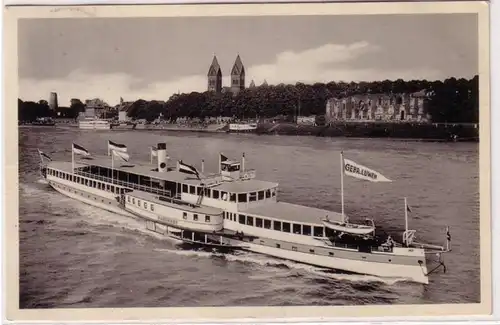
[(350, 228)]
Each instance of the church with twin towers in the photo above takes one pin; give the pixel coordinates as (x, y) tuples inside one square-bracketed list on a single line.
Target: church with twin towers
[(214, 77)]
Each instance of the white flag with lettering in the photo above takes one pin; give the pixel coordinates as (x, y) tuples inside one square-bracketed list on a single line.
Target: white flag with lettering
[(361, 172)]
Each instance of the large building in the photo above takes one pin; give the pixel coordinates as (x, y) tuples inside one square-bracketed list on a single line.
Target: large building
[(379, 107), (214, 77)]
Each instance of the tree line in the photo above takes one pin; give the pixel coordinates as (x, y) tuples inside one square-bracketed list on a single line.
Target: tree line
[(451, 100)]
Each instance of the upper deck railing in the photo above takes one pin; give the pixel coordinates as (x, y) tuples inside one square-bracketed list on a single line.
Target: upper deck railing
[(148, 189)]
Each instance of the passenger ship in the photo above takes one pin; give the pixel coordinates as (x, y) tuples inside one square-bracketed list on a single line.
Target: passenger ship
[(232, 210), (92, 123)]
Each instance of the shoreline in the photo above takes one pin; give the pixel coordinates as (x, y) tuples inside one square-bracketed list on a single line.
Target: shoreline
[(391, 131)]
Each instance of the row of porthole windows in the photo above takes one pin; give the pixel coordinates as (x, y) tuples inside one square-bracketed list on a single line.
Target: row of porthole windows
[(298, 229), (311, 251), (233, 197), (132, 200), (85, 181), (77, 192), (195, 217)]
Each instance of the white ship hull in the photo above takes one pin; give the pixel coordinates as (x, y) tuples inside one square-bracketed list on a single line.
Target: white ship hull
[(415, 273), (94, 125), (243, 127)]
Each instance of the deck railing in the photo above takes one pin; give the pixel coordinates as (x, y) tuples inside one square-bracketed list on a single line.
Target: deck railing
[(115, 181)]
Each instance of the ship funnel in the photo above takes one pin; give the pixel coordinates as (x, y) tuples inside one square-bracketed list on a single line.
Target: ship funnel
[(162, 157)]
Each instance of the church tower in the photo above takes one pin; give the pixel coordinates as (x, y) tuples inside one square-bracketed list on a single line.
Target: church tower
[(214, 76), (237, 76)]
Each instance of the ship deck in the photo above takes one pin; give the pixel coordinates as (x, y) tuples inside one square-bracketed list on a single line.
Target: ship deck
[(293, 212), (234, 186)]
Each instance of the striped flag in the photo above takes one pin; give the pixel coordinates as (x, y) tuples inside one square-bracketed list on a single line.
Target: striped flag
[(79, 150), (116, 146), (223, 158), (448, 235), (43, 155), (154, 151), (121, 155), (188, 169)]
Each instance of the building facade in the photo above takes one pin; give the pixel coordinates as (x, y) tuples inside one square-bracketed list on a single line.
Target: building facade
[(379, 107)]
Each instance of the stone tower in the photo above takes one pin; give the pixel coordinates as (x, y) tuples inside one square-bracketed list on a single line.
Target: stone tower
[(53, 101), (214, 76), (237, 76)]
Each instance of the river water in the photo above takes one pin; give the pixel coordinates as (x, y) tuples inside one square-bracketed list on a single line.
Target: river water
[(75, 255)]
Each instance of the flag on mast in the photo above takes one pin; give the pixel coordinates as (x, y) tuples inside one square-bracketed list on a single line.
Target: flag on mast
[(188, 169), (356, 170), (121, 155), (79, 150), (408, 208), (154, 151), (116, 146), (43, 155)]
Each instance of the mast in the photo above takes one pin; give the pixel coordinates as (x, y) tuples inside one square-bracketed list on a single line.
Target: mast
[(406, 216), (342, 182)]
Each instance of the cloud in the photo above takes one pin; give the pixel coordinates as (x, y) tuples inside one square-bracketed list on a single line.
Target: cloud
[(329, 62)]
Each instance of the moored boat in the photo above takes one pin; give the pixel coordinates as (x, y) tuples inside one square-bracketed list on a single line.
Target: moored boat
[(232, 210)]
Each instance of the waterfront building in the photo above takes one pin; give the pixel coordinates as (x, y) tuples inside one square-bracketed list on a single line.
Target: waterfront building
[(379, 107)]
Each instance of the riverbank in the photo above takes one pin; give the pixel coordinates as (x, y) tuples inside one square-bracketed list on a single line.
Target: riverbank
[(395, 131), (413, 131)]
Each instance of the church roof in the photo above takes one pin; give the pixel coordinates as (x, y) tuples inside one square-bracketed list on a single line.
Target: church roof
[(214, 68), (238, 68), (252, 84), (264, 83)]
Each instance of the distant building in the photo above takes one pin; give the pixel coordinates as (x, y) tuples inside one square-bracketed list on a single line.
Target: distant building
[(237, 76), (214, 76), (379, 107), (252, 84), (53, 101)]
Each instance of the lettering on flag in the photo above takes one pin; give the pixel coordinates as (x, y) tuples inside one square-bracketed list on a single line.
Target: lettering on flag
[(362, 172)]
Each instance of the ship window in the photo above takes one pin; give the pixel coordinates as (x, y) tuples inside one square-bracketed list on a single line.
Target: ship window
[(278, 246), (184, 215), (232, 197), (152, 207), (145, 205), (215, 194), (261, 195), (138, 203), (273, 192), (253, 197), (185, 188), (192, 189), (294, 248), (286, 227), (267, 224), (249, 221), (133, 200), (318, 231), (330, 253), (207, 192), (258, 222), (242, 197), (207, 218), (128, 199), (306, 230), (311, 251), (242, 219), (223, 195), (107, 187), (199, 190), (195, 217), (277, 225)]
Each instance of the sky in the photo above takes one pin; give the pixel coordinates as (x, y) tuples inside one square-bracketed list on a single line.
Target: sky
[(152, 58)]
